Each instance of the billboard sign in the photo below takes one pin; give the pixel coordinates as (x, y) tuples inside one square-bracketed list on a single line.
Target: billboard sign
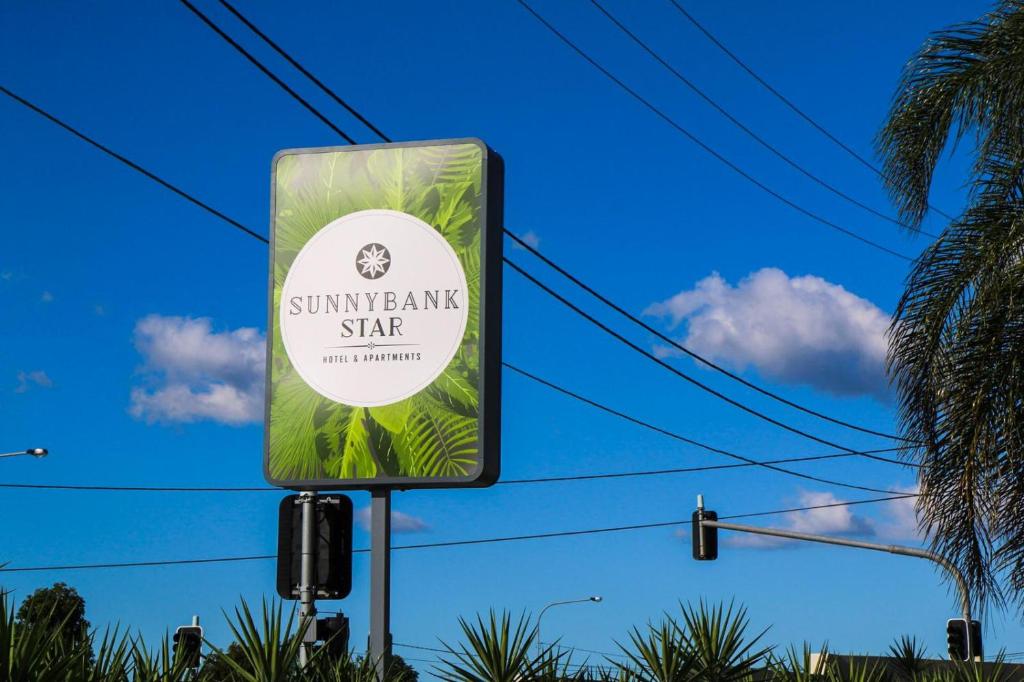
[(384, 327)]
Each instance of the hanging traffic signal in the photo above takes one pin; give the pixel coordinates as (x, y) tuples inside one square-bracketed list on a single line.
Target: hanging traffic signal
[(956, 639), (705, 538), (188, 641), (333, 632), (963, 639), (333, 548), (977, 650)]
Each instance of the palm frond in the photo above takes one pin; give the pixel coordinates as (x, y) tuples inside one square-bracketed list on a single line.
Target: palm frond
[(661, 654), (495, 651)]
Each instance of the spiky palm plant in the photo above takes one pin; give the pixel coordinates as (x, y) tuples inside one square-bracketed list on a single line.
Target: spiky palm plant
[(496, 651), (161, 665), (558, 666), (957, 337), (112, 660), (661, 654), (718, 642), (938, 675), (908, 658), (857, 671), (800, 665), (270, 647), (36, 653), (969, 671), (347, 668)]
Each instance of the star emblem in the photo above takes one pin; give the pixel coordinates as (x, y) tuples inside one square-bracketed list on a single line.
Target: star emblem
[(373, 261)]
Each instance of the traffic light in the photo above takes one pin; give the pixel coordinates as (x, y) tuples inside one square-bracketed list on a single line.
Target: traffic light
[(963, 639), (333, 548), (333, 632), (188, 641), (705, 538)]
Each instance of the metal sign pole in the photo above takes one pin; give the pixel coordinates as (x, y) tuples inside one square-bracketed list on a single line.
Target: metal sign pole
[(380, 580), (307, 588)]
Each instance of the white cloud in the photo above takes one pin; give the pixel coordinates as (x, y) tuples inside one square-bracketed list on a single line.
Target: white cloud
[(192, 373), (896, 521), (794, 330), (400, 521), (47, 297), (836, 521), (530, 237), (28, 380), (899, 519)]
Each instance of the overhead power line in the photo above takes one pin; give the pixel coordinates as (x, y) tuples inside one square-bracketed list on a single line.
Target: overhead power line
[(131, 164), (309, 75), (622, 415), (831, 505), (305, 72), (696, 356), (453, 543), (739, 124), (744, 463), (683, 375), (789, 103), (514, 481), (251, 233), (703, 145), (266, 71)]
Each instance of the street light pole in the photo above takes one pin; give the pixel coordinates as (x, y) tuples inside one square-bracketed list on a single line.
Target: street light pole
[(597, 599), (34, 452)]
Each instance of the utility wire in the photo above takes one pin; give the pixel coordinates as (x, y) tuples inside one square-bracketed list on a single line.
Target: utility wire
[(785, 100), (703, 145), (735, 403), (263, 239), (521, 481), (576, 281), (305, 72), (251, 233), (131, 164), (647, 425), (308, 74), (421, 648), (700, 358), (562, 271), (266, 71), (745, 462), (793, 510), (570, 647), (739, 124), (454, 543)]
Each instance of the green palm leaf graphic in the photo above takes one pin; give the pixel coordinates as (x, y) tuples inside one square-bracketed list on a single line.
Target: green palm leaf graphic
[(433, 434), (438, 442)]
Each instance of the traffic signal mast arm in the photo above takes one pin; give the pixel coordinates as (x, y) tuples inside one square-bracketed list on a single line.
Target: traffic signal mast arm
[(965, 601)]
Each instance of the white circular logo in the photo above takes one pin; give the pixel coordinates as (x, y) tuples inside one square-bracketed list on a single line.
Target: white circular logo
[(373, 308)]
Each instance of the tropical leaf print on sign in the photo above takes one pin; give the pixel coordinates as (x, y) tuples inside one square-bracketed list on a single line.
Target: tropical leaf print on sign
[(433, 434)]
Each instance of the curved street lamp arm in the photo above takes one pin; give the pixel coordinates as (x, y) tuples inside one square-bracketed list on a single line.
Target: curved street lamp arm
[(961, 583)]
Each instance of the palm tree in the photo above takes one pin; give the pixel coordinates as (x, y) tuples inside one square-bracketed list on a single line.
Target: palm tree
[(718, 642), (957, 338), (498, 651)]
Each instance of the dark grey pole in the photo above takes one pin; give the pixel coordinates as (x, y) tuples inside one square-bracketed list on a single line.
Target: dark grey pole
[(380, 579), (307, 589), (965, 601)]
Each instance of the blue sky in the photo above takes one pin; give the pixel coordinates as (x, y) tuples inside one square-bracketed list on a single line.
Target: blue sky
[(101, 269)]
